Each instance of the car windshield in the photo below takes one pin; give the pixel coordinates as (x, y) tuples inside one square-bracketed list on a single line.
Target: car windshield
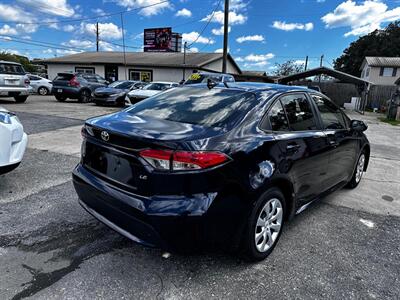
[(156, 86), (218, 107), (121, 84), (11, 69), (202, 78)]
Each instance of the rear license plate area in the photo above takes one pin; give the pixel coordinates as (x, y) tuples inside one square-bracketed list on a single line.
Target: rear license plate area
[(113, 165), (59, 90)]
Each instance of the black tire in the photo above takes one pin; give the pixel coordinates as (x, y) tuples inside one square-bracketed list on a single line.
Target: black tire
[(84, 96), (60, 98), (354, 181), (251, 251), (43, 91), (20, 99)]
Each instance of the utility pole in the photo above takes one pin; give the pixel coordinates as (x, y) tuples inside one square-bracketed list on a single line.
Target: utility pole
[(226, 27), (123, 43), (184, 61), (320, 65), (97, 36), (305, 65)]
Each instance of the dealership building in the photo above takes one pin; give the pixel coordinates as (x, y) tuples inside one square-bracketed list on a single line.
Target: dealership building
[(145, 66)]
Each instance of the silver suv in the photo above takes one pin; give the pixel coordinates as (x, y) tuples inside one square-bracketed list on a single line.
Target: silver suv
[(13, 81)]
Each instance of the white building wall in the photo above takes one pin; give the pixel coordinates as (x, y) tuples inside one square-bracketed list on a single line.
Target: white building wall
[(217, 67), (374, 76), (159, 74), (53, 69)]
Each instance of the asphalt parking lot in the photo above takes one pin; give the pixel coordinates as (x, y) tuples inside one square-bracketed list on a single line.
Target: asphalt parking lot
[(347, 246)]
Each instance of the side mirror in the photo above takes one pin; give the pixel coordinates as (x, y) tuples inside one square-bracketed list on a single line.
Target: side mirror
[(358, 125)]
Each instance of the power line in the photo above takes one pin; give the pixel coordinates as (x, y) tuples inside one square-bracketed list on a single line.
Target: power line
[(87, 18), (206, 25)]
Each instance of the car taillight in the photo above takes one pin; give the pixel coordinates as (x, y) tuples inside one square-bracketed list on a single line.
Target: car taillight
[(74, 82), (183, 160)]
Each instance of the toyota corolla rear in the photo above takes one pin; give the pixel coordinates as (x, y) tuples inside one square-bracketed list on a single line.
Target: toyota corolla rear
[(160, 172)]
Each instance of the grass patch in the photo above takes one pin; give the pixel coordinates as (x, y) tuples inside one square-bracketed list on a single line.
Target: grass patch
[(391, 122)]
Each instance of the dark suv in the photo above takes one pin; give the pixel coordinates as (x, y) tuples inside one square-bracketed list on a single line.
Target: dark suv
[(221, 166), (76, 86)]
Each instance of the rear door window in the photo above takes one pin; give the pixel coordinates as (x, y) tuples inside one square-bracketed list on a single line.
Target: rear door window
[(331, 115), (299, 112), (64, 77), (276, 119)]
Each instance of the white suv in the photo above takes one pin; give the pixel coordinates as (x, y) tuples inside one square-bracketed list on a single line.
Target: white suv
[(13, 81)]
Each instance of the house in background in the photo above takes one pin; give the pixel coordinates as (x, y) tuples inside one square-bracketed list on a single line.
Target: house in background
[(381, 70), (144, 66)]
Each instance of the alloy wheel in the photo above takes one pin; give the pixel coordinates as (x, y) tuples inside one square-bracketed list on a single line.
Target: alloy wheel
[(360, 168), (42, 91), (269, 224)]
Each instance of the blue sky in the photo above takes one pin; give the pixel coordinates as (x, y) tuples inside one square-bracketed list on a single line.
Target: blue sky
[(262, 32)]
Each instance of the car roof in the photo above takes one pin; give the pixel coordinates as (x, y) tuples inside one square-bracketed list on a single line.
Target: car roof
[(163, 82), (9, 62), (212, 73), (255, 87)]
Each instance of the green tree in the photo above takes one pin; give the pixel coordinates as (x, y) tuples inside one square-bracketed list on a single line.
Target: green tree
[(288, 68), (384, 42), (23, 60)]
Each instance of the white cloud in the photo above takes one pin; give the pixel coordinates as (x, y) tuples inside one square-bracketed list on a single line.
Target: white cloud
[(300, 62), (220, 31), (8, 30), (250, 38), (292, 26), (66, 52), (184, 13), (14, 13), (47, 51), (148, 11), (69, 28), (107, 31), (98, 11), (255, 60), (192, 36), (53, 7), (193, 49), (234, 18), (220, 50), (259, 57), (79, 44), (362, 18)]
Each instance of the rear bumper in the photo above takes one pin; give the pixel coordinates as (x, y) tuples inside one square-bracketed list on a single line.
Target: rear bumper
[(13, 141), (168, 222), (108, 101), (11, 91), (69, 92)]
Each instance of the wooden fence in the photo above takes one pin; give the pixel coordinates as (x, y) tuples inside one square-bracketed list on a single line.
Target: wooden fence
[(342, 93)]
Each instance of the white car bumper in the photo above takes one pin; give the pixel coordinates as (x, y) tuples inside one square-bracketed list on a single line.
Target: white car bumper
[(13, 142)]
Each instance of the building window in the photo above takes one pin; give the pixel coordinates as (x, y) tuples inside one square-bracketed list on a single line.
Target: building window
[(84, 70), (141, 75), (388, 72), (367, 73)]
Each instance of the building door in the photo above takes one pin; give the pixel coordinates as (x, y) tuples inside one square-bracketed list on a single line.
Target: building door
[(111, 72)]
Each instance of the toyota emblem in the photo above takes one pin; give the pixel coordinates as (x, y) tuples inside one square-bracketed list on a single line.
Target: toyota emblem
[(105, 136)]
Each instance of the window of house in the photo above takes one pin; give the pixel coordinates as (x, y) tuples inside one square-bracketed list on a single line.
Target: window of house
[(332, 117), (84, 70), (141, 75), (299, 113), (367, 72), (388, 72)]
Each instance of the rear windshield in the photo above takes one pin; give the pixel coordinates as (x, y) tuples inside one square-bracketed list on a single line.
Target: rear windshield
[(156, 86), (121, 84), (11, 69), (64, 76), (200, 106), (201, 78)]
